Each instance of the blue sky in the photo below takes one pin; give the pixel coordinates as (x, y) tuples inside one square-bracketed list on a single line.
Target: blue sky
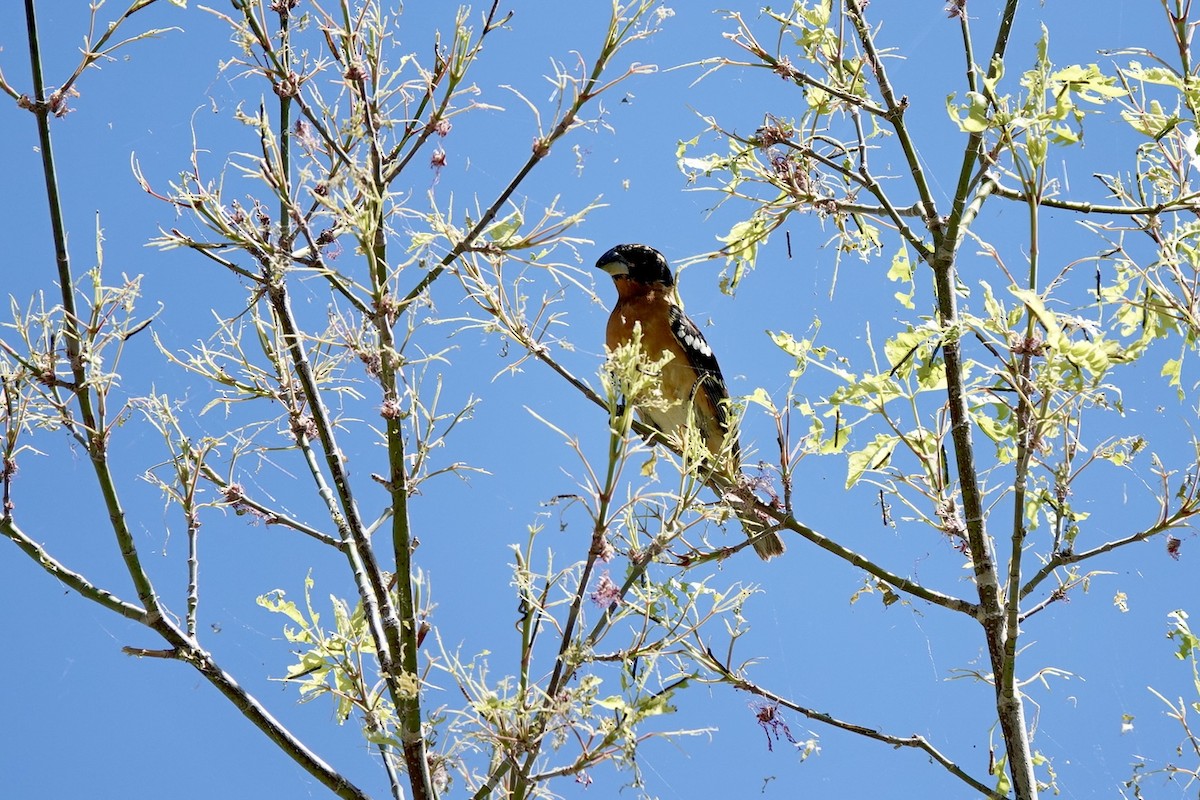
[(84, 719)]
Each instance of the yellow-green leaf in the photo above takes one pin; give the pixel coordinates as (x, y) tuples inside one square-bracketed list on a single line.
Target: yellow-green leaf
[(614, 703), (1037, 307), (875, 455), (902, 270), (1173, 368), (760, 398)]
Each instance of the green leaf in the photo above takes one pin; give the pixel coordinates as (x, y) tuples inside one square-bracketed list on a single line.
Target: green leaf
[(798, 349), (741, 246), (1121, 451), (649, 467), (682, 146), (1088, 83), (975, 120), (656, 705), (977, 113), (833, 444), (1182, 634), (908, 349), (1043, 47), (1153, 122), (1159, 75), (503, 230), (816, 15), (761, 398), (273, 601), (614, 703), (1000, 429), (1089, 355), (995, 75), (858, 391), (902, 270), (1173, 368), (1001, 773), (996, 313), (1036, 146), (310, 665), (1033, 301), (874, 456)]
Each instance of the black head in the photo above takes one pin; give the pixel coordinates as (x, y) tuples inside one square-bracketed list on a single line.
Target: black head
[(637, 262)]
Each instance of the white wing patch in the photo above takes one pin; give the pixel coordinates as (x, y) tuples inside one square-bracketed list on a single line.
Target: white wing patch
[(691, 338)]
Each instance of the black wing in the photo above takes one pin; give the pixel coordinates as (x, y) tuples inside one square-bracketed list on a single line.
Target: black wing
[(702, 359)]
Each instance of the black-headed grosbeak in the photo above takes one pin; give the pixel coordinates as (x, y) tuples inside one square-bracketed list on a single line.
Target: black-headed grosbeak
[(692, 379)]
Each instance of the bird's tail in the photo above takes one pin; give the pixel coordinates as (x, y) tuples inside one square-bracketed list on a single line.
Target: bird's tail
[(765, 541)]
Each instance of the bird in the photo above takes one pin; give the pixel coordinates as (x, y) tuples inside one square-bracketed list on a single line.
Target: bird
[(691, 381)]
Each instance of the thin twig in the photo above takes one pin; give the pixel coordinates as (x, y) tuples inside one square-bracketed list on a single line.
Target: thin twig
[(915, 741), (1186, 202)]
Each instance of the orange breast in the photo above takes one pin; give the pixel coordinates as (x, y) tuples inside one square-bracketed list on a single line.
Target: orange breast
[(680, 384)]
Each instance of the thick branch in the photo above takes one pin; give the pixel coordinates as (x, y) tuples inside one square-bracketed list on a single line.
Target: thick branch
[(372, 587), (895, 107), (957, 224), (68, 577), (92, 416), (186, 648), (865, 564)]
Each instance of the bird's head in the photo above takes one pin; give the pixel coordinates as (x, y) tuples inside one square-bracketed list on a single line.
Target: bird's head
[(636, 262)]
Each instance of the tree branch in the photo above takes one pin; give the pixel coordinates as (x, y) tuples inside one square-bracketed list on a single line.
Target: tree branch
[(1187, 202), (68, 577), (915, 741), (1066, 557)]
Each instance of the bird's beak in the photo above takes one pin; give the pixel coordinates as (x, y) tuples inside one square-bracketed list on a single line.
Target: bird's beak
[(613, 263)]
